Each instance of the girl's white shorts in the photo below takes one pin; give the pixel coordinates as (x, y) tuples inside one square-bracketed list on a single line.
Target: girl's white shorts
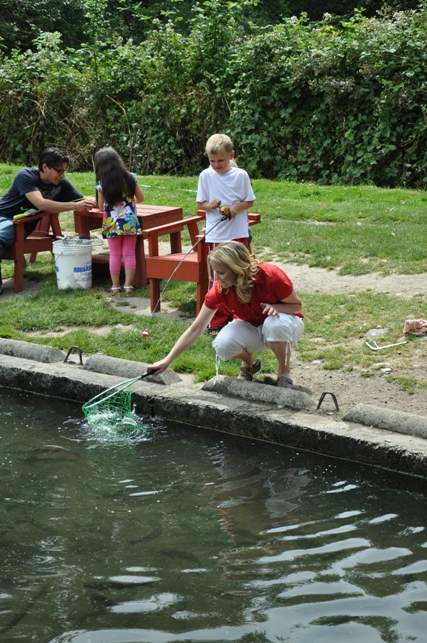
[(239, 335)]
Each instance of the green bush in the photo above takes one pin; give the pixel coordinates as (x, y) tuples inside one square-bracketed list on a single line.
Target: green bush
[(307, 101)]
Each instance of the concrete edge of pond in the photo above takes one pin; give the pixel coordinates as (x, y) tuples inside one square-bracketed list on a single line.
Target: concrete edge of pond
[(201, 406)]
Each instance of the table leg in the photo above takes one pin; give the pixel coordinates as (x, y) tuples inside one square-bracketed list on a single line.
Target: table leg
[(81, 224), (140, 278)]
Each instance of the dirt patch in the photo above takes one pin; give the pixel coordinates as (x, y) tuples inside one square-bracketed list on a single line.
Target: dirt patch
[(318, 280), (30, 288), (351, 388)]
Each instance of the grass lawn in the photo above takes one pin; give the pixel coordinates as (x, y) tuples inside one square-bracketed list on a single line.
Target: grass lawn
[(355, 230)]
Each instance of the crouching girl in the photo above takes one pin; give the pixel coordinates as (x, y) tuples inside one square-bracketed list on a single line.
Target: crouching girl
[(266, 313)]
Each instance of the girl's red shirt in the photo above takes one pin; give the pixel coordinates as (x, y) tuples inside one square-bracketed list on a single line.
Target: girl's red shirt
[(271, 286)]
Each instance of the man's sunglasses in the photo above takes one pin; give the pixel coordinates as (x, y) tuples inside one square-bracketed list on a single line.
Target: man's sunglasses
[(57, 170)]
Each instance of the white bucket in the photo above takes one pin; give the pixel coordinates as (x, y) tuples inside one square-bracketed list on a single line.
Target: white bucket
[(73, 265)]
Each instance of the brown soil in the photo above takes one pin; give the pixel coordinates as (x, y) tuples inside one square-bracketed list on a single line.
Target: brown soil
[(353, 388)]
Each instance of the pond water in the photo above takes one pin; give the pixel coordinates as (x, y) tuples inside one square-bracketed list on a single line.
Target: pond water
[(178, 534)]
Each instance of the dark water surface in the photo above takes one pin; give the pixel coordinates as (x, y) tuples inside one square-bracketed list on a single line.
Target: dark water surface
[(174, 534)]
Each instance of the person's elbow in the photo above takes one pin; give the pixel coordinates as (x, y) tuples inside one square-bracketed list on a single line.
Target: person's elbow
[(139, 195)]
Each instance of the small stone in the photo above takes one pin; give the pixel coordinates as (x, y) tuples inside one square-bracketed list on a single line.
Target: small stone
[(377, 332)]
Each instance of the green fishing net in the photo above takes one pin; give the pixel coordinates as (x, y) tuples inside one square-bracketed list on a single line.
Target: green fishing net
[(112, 409)]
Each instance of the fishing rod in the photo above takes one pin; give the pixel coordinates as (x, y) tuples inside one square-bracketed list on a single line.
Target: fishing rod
[(225, 215)]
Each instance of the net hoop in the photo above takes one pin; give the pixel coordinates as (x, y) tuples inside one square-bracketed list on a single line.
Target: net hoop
[(109, 392), (77, 241)]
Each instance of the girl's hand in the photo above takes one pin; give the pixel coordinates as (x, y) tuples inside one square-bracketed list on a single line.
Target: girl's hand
[(158, 367), (269, 310)]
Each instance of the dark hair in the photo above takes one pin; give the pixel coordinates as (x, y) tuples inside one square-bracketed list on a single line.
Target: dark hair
[(114, 178), (52, 156)]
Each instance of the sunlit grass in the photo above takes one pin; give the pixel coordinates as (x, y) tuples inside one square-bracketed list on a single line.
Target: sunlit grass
[(408, 384), (356, 230)]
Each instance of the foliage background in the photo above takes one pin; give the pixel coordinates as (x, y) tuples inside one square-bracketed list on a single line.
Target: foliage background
[(339, 98)]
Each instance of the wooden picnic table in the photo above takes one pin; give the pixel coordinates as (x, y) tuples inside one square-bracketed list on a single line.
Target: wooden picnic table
[(150, 216)]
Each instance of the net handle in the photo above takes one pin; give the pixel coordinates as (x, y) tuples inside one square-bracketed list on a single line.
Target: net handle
[(114, 388)]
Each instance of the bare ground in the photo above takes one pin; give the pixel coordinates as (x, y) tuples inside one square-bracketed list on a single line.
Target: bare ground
[(352, 388), (349, 388)]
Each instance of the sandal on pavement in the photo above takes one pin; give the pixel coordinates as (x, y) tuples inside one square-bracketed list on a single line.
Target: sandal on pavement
[(284, 382), (115, 290), (128, 289), (247, 372)]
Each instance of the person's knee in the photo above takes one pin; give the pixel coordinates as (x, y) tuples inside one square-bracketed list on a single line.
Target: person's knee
[(226, 346), (129, 260), (285, 328), (128, 251), (7, 233)]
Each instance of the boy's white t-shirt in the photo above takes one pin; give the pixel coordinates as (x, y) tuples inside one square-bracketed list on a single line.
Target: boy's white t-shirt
[(234, 186)]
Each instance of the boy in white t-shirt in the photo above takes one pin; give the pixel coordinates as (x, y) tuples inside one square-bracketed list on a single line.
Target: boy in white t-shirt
[(223, 184)]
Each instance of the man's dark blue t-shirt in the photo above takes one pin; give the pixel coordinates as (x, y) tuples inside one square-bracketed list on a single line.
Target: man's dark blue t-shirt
[(28, 180)]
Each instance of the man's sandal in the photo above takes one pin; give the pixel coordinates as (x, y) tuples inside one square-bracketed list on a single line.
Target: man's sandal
[(247, 372)]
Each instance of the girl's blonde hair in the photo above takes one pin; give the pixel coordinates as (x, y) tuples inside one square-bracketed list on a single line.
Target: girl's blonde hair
[(236, 257)]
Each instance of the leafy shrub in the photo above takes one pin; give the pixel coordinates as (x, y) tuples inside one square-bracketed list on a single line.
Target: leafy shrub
[(308, 101)]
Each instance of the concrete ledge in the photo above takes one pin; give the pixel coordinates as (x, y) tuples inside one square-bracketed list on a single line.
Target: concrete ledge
[(26, 350), (264, 393), (127, 368), (407, 423), (190, 403)]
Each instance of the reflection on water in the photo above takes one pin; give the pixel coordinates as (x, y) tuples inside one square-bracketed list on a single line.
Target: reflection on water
[(176, 534)]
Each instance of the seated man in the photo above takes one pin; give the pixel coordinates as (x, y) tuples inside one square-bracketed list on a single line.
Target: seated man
[(39, 190)]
